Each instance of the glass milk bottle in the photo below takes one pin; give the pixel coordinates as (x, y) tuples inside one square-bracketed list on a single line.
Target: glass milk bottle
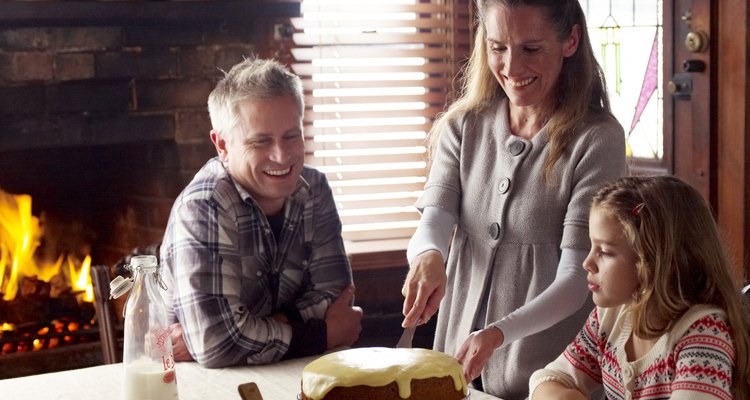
[(148, 360)]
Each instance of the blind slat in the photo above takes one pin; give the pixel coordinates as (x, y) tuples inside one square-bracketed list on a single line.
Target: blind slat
[(430, 97), (440, 82), (374, 7), (380, 218), (374, 115), (422, 23), (311, 131), (376, 189), (371, 38), (413, 155), (308, 54), (305, 70), (374, 232), (309, 159), (377, 174), (397, 202), (373, 144)]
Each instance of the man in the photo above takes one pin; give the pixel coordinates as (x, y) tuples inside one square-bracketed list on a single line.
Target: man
[(253, 256)]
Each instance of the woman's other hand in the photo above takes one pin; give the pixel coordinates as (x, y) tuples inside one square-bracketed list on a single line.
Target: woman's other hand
[(477, 349), (424, 288)]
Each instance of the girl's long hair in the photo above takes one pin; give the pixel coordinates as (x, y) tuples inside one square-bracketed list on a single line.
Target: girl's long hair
[(581, 90), (682, 260)]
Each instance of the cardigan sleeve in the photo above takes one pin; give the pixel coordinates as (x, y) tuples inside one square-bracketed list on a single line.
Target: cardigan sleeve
[(563, 297), (443, 188), (704, 360), (598, 157), (578, 366)]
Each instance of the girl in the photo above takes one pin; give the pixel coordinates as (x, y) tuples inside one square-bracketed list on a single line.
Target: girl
[(670, 321)]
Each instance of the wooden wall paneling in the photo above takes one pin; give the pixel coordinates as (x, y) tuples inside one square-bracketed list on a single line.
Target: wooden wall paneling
[(733, 139)]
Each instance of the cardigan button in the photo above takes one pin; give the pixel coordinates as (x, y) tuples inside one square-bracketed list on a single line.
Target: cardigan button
[(495, 231), (516, 148), (504, 185)]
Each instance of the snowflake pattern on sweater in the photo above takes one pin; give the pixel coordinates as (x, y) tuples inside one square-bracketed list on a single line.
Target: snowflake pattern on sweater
[(694, 360)]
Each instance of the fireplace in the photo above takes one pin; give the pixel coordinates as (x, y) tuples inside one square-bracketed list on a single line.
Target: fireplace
[(102, 122), (46, 292)]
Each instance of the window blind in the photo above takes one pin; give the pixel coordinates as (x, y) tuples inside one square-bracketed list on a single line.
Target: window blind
[(376, 73)]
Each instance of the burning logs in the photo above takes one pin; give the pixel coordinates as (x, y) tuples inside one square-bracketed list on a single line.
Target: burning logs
[(38, 300)]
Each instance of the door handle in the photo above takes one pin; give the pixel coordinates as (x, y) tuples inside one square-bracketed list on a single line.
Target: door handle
[(681, 86), (696, 41)]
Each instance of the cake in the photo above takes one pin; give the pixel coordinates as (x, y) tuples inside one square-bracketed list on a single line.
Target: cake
[(379, 373)]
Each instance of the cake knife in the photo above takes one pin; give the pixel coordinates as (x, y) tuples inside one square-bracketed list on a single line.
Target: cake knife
[(405, 341)]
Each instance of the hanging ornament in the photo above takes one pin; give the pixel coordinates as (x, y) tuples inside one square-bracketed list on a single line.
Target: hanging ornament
[(610, 39)]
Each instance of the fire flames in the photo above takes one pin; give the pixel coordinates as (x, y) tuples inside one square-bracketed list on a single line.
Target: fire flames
[(20, 236), (44, 303)]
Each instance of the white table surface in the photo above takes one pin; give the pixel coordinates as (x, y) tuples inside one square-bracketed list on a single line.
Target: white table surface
[(280, 381)]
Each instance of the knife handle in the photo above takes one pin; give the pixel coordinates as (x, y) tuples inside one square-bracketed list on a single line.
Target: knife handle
[(249, 391)]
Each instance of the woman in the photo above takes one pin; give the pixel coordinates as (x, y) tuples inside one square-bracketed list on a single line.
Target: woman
[(514, 164)]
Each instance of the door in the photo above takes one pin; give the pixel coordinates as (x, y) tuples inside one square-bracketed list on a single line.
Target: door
[(706, 67), (690, 100)]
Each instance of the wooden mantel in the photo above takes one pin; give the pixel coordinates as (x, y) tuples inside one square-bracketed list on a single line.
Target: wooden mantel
[(54, 13)]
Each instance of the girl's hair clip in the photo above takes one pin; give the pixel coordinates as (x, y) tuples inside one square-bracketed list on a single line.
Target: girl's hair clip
[(637, 209)]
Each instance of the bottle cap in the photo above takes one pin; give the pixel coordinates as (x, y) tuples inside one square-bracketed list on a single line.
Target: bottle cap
[(119, 286), (142, 261)]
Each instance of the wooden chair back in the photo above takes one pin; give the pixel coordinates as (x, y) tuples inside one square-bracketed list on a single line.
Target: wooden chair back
[(100, 278)]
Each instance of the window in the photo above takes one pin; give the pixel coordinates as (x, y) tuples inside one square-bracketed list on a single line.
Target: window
[(376, 73), (629, 33)]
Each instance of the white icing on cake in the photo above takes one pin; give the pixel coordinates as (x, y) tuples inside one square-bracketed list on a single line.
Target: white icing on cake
[(378, 366)]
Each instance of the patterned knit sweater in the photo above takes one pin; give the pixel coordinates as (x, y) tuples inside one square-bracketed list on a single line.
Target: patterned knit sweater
[(692, 361)]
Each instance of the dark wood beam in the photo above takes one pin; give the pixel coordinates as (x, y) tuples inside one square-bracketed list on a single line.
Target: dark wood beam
[(93, 13)]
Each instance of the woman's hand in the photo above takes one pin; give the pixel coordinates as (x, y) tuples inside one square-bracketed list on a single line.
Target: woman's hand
[(477, 349), (424, 288)]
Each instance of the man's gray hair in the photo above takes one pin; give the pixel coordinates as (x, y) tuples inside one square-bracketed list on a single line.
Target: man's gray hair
[(252, 79)]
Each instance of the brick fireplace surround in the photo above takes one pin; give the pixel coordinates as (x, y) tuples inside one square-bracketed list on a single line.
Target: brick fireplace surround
[(103, 105)]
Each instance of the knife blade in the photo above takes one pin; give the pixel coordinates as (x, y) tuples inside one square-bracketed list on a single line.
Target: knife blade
[(406, 338)]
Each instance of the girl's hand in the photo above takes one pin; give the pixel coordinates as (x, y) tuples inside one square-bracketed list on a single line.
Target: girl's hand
[(477, 349), (424, 288), (552, 390)]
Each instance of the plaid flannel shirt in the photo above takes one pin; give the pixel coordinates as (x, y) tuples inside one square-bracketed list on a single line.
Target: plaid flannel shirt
[(227, 274)]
